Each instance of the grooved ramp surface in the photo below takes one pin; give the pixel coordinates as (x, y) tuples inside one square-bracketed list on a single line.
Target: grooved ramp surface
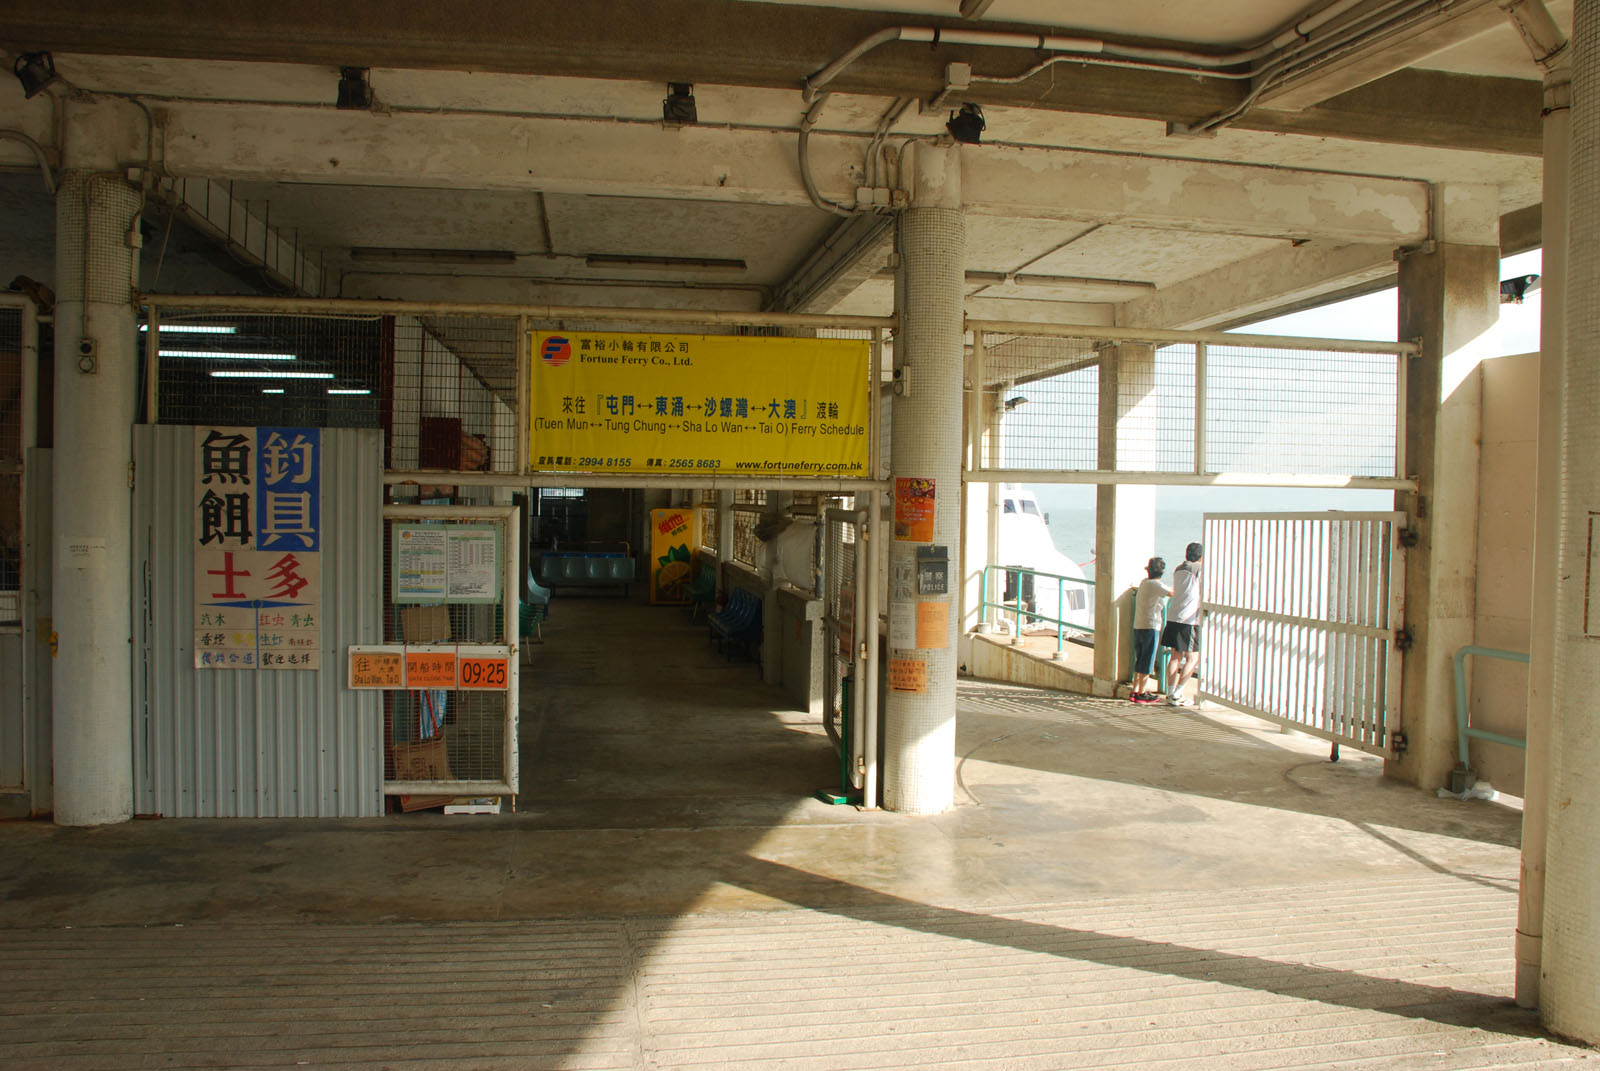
[(1393, 974)]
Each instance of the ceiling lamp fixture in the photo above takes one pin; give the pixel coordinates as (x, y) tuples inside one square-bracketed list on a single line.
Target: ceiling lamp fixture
[(194, 329), (678, 108), (232, 373), (626, 260), (967, 125), (35, 70), (348, 390), (228, 355), (355, 92), (400, 254)]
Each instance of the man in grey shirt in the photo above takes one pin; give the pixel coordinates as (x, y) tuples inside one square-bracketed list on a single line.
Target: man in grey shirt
[(1182, 632)]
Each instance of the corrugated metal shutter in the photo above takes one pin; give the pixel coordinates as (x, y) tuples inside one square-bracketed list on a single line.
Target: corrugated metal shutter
[(255, 743)]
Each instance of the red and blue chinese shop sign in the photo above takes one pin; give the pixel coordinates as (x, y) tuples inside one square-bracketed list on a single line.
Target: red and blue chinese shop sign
[(257, 548)]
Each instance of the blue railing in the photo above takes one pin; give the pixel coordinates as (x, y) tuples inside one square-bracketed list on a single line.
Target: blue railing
[(1464, 732), (1062, 625)]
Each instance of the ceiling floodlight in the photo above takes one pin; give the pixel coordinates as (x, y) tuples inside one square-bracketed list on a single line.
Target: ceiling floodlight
[(194, 329), (1514, 289), (348, 390), (240, 373), (355, 92), (35, 70), (1013, 402), (271, 390), (229, 355), (967, 125), (678, 108)]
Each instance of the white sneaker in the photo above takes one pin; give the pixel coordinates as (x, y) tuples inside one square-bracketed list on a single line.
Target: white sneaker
[(1176, 700)]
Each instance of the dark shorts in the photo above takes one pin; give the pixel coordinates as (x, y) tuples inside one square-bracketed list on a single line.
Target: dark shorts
[(1144, 650), (1181, 637)]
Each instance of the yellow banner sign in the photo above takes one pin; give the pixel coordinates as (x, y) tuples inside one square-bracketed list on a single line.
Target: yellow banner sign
[(701, 404)]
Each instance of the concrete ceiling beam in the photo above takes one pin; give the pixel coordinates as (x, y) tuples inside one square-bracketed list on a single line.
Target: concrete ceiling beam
[(1260, 286), (1385, 54), (723, 42), (854, 251), (589, 157)]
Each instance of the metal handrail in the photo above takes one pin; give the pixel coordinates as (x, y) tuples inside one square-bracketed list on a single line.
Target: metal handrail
[(984, 604), (1464, 732)]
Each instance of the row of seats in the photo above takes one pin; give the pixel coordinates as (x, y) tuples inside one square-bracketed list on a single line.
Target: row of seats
[(586, 570), (738, 624)]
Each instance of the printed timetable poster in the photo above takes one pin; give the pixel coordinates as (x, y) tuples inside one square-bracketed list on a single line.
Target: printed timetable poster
[(706, 404), (257, 551)]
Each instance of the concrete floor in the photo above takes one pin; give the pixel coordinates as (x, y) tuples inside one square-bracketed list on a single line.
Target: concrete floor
[(1118, 886)]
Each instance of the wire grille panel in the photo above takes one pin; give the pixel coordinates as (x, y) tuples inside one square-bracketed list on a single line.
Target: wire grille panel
[(268, 371), (710, 520), (1270, 410), (469, 725), (1187, 407), (12, 403)]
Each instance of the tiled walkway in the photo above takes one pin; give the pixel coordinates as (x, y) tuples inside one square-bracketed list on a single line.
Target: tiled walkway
[(1118, 887)]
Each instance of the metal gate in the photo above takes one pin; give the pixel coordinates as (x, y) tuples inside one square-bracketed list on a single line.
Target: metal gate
[(849, 575), (1301, 613)]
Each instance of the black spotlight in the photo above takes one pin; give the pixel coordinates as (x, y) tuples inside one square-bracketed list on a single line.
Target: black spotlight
[(967, 125), (679, 106), (1514, 289), (355, 92), (35, 70)]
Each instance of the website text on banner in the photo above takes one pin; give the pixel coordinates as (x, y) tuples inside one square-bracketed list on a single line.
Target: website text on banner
[(704, 404)]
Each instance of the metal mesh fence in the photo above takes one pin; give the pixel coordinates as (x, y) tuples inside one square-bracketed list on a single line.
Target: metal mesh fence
[(710, 520), (443, 387), (746, 547), (469, 724), (1260, 409), (455, 393), (12, 404), (268, 371), (1300, 411)]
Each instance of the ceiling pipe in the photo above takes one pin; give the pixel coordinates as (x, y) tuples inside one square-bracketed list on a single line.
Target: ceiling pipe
[(1087, 48), (38, 154)]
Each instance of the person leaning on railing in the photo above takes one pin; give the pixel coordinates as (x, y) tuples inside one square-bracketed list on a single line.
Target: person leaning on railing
[(1148, 606), (1182, 632)]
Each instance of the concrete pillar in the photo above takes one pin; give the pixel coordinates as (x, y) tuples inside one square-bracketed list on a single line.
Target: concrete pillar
[(95, 392), (1569, 995), (920, 716), (1450, 300), (1546, 528), (1125, 514)]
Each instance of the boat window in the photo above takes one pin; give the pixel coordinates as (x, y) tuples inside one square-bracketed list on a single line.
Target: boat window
[(1011, 506), (1029, 507)]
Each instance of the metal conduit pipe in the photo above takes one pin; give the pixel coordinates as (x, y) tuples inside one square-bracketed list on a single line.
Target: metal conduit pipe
[(1569, 999), (1549, 48), (38, 154), (1084, 47)]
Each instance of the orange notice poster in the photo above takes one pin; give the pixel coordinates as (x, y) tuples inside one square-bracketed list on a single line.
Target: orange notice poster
[(430, 669), (483, 672), (908, 675), (933, 626), (913, 510), (377, 669)]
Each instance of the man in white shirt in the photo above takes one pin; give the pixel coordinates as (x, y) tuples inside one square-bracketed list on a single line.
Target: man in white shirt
[(1148, 604), (1182, 631)]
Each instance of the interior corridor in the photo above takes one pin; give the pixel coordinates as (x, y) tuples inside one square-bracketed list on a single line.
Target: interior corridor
[(1117, 886)]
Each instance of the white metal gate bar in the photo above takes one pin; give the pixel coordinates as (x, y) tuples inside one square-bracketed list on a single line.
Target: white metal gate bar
[(1301, 612)]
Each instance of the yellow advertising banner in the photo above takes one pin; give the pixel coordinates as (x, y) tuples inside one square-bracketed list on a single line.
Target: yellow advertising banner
[(702, 404)]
